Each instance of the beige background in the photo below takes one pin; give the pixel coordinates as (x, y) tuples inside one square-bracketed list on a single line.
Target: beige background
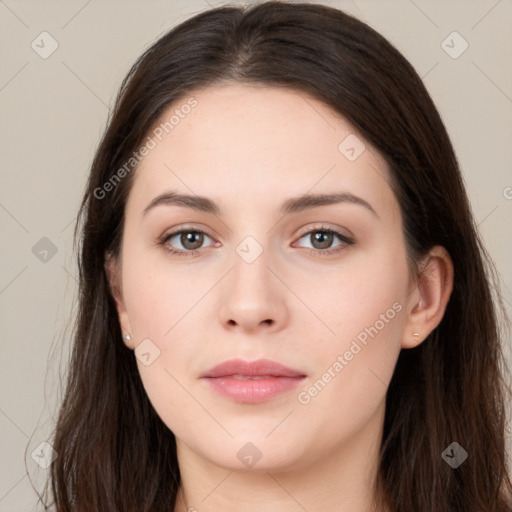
[(53, 111)]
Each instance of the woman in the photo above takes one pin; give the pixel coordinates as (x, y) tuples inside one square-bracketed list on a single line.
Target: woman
[(284, 302)]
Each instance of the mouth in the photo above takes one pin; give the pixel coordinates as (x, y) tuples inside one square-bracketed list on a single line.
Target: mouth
[(245, 377), (252, 382)]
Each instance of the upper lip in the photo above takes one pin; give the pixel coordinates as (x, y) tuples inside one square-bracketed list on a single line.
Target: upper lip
[(260, 367)]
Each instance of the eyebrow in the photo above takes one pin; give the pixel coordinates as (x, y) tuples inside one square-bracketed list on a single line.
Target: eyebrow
[(292, 205)]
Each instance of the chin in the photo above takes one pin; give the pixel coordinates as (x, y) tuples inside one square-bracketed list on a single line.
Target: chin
[(256, 454)]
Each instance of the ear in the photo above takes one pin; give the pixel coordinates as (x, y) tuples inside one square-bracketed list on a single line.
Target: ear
[(429, 297), (113, 271)]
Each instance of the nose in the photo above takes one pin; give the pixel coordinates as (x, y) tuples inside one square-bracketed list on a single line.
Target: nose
[(253, 298)]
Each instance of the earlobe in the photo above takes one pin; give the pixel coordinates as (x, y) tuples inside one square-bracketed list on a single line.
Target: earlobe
[(114, 282), (429, 300)]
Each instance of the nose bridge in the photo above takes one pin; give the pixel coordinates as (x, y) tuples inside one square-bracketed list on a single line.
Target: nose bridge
[(252, 237), (251, 275), (253, 294)]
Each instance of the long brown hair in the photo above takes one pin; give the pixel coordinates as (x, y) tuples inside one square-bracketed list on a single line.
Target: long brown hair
[(114, 452)]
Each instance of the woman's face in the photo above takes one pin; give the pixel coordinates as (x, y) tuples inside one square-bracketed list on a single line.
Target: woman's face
[(264, 281)]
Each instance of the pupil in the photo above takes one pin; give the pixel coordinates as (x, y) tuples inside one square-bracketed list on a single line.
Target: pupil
[(319, 235), (189, 238)]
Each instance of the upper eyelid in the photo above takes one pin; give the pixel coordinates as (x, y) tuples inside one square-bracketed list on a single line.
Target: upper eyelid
[(320, 227), (324, 227)]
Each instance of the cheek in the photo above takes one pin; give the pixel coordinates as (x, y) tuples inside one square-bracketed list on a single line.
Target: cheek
[(366, 310), (160, 311), (356, 294), (364, 307), (156, 297)]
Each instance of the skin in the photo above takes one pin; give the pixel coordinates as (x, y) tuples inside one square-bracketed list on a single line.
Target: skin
[(250, 148)]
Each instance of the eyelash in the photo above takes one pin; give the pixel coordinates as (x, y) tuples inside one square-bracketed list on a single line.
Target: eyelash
[(314, 252)]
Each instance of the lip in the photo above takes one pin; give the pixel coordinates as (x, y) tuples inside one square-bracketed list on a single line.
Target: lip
[(252, 381), (258, 368)]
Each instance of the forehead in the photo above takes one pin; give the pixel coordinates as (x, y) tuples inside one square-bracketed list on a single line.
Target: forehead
[(259, 142)]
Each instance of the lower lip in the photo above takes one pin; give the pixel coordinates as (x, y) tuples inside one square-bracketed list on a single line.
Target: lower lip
[(253, 390)]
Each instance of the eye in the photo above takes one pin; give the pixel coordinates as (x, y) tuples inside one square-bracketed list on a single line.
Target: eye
[(191, 241), (322, 239)]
